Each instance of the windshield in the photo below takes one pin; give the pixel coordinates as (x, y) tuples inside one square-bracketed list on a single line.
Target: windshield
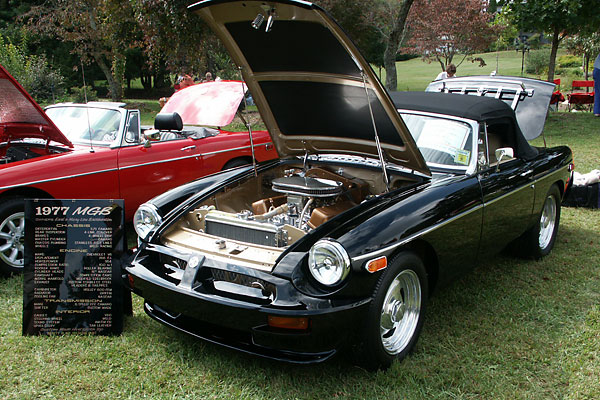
[(443, 142), (87, 125)]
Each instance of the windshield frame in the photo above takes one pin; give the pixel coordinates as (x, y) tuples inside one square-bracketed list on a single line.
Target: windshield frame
[(82, 121), (473, 125)]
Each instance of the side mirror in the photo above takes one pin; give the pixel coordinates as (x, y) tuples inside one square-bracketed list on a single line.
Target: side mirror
[(504, 153), (151, 135)]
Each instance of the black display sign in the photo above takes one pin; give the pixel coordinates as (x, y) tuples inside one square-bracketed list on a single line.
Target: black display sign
[(72, 271)]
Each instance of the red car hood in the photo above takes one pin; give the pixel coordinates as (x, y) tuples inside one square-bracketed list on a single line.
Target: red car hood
[(209, 103), (21, 117)]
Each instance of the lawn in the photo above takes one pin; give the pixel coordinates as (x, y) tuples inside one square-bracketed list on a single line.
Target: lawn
[(416, 74), (509, 329)]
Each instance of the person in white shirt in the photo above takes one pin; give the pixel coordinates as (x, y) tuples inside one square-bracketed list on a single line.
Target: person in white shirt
[(450, 72)]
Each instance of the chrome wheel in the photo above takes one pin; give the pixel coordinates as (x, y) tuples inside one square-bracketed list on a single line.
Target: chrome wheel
[(400, 312), (547, 222), (12, 238)]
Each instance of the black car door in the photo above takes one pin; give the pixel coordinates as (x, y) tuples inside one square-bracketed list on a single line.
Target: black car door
[(508, 195)]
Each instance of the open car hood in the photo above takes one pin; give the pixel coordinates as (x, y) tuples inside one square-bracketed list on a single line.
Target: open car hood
[(313, 88), (530, 98), (21, 117), (209, 103)]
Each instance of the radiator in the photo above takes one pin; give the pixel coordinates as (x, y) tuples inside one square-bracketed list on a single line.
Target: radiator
[(230, 226)]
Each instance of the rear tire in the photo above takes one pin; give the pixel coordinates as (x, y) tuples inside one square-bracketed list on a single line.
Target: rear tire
[(539, 240), (396, 312), (12, 235)]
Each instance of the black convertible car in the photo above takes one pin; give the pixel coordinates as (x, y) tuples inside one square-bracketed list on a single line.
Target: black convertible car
[(377, 199)]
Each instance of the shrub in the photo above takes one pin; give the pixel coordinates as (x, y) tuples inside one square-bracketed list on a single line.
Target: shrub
[(575, 73), (569, 61), (81, 94), (537, 61), (31, 71)]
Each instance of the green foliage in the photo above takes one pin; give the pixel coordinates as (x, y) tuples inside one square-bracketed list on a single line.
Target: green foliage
[(537, 61), (568, 61), (508, 33), (31, 71), (81, 94), (570, 16), (569, 74)]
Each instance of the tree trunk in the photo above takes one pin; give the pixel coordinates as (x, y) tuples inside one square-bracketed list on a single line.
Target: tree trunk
[(389, 63), (115, 90), (552, 63), (146, 80), (441, 64), (393, 42)]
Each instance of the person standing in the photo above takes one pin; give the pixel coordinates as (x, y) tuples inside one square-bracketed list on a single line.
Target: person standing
[(596, 75)]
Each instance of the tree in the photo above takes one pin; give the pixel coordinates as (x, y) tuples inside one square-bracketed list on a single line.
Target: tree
[(586, 45), (389, 19), (441, 29), (101, 30), (557, 17), (31, 71), (351, 15), (174, 37)]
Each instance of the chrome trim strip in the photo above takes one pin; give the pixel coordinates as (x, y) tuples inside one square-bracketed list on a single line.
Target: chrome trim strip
[(57, 179), (127, 167), (525, 186), (236, 148), (380, 252), (384, 250), (530, 184), (558, 171), (160, 162)]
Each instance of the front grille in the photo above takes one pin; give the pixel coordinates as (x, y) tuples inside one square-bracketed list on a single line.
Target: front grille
[(243, 280)]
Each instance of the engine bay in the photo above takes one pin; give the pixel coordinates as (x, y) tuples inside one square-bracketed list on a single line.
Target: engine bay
[(14, 152), (255, 221)]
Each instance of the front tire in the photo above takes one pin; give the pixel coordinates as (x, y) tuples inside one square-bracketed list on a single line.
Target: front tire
[(12, 235), (236, 162), (395, 316)]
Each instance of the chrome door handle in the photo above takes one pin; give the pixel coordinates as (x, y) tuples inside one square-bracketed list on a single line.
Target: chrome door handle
[(188, 148)]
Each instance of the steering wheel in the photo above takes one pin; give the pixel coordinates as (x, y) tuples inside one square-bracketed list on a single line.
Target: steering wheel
[(109, 136)]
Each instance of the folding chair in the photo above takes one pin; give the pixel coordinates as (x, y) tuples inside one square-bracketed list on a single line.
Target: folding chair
[(586, 97)]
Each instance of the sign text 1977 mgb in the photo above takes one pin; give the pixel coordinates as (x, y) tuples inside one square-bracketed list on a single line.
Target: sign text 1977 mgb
[(72, 270)]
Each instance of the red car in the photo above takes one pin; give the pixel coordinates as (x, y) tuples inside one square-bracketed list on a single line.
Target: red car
[(100, 151)]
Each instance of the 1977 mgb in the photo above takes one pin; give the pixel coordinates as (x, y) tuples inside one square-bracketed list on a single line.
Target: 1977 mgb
[(378, 199)]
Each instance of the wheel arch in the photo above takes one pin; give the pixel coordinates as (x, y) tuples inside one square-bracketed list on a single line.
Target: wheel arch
[(425, 251), (26, 192), (237, 161), (561, 186)]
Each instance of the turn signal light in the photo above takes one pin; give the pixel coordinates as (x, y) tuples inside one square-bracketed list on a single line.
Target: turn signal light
[(130, 280), (300, 323), (376, 264)]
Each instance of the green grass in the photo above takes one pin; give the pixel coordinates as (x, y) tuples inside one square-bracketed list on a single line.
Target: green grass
[(415, 74), (510, 329)]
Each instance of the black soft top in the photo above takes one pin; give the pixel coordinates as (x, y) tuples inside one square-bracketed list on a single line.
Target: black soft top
[(481, 109)]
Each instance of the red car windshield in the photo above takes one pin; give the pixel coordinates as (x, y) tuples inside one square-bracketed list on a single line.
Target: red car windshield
[(87, 125)]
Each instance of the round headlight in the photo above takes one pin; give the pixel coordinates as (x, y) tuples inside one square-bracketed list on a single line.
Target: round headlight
[(145, 219), (328, 262)]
